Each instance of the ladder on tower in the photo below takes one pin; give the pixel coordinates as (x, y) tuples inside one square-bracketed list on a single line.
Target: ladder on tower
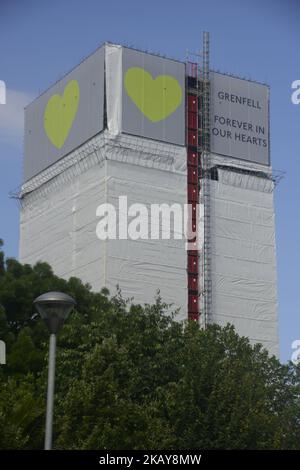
[(206, 178)]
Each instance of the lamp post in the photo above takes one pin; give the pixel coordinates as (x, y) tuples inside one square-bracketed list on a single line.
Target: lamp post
[(54, 308)]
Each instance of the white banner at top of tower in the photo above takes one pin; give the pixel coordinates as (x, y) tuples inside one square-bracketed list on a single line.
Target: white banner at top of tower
[(65, 116), (141, 94), (239, 118)]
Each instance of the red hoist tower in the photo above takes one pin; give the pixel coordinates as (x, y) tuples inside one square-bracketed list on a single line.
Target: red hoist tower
[(198, 182)]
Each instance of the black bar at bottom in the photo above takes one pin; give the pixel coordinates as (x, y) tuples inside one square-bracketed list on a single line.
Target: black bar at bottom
[(135, 459)]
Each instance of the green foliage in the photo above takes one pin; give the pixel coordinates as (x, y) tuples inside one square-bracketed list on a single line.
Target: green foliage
[(130, 377)]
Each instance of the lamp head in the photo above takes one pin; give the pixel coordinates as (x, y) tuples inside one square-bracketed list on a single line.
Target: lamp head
[(54, 308)]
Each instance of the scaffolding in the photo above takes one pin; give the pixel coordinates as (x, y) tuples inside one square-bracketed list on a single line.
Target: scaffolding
[(204, 148), (198, 145)]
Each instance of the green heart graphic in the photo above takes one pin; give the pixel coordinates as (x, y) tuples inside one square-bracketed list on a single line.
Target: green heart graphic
[(60, 113), (155, 98)]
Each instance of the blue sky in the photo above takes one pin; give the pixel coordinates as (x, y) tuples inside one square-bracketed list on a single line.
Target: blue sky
[(40, 41)]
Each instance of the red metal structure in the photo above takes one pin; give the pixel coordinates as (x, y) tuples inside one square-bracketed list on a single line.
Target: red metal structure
[(192, 187)]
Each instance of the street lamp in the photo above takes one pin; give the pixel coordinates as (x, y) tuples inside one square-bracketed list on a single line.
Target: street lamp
[(54, 308)]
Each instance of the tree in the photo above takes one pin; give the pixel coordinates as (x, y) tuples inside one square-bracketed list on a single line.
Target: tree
[(132, 377)]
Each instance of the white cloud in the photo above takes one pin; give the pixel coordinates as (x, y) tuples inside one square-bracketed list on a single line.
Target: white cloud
[(12, 117)]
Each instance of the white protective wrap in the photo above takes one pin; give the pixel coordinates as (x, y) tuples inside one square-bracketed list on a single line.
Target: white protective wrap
[(59, 227), (244, 285), (58, 220), (143, 266)]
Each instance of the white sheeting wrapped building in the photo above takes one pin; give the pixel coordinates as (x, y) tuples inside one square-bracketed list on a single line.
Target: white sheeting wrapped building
[(59, 213)]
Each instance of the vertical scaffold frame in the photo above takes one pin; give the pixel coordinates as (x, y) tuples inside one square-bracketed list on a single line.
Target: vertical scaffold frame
[(198, 180)]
